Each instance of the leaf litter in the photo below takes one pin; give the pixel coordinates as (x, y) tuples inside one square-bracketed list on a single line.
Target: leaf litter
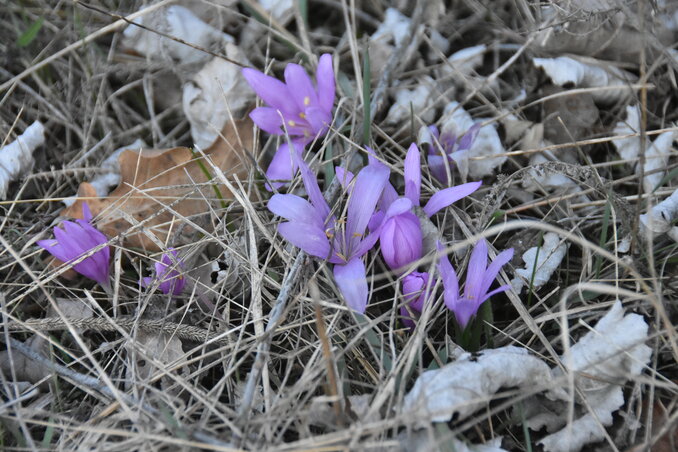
[(565, 113)]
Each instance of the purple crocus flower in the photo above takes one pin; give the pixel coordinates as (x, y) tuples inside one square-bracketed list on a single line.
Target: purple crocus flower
[(167, 271), (400, 232), (479, 278), (76, 239), (296, 108), (415, 294), (312, 228), (446, 149)]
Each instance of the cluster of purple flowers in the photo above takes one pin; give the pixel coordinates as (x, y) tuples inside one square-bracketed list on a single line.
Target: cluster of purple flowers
[(86, 248), (374, 211)]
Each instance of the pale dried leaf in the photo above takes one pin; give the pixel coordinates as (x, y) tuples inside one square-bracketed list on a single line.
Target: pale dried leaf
[(16, 158), (150, 353), (217, 93), (550, 254), (417, 102)]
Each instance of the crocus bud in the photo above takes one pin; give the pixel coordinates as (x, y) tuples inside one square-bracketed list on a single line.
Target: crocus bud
[(169, 274), (401, 240), (414, 292)]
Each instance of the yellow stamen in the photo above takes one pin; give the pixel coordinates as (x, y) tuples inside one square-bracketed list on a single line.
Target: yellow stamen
[(357, 234), (307, 101), (302, 115), (291, 123)]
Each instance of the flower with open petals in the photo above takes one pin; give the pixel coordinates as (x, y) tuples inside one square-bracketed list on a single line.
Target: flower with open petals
[(168, 272), (400, 231), (296, 108), (415, 294), (75, 239), (342, 242), (446, 149), (479, 278)]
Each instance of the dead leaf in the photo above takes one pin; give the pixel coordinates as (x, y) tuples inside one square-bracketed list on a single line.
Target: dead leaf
[(161, 187)]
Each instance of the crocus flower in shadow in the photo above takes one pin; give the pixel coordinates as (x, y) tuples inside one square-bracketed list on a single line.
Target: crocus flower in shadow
[(296, 108), (169, 274), (75, 239), (479, 278), (400, 230), (343, 241), (445, 150), (415, 294)]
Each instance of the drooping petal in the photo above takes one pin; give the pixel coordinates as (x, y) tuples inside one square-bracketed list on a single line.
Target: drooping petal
[(475, 272), (363, 200), (271, 90), (268, 119), (352, 283), (283, 165), (447, 196), (294, 208), (325, 80), (413, 174), (308, 237), (300, 87), (493, 269)]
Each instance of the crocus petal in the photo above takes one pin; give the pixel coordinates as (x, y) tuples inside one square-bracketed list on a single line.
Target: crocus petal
[(436, 165), (503, 288), (344, 176), (308, 237), (451, 290), (313, 191), (55, 249), (463, 311), (271, 90), (413, 174), (397, 207), (294, 208), (366, 192), (283, 165), (444, 198), (352, 283), (476, 271), (86, 213), (407, 318), (300, 87), (268, 119), (146, 281), (493, 269), (401, 240), (366, 244), (414, 285), (325, 80), (466, 141), (319, 120)]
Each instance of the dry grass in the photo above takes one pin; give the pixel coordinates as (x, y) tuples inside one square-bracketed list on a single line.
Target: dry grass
[(237, 364)]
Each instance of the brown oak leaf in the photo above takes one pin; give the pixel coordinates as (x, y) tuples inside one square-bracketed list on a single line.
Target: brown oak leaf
[(160, 189)]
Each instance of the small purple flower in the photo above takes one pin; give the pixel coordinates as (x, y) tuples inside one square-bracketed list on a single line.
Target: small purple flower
[(168, 272), (479, 278), (296, 108), (77, 239), (446, 149), (312, 228), (414, 293), (400, 231)]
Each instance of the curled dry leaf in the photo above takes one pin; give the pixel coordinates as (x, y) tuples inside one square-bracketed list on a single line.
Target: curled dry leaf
[(148, 352), (214, 95), (661, 218), (178, 22), (566, 71), (16, 159), (162, 187), (417, 101)]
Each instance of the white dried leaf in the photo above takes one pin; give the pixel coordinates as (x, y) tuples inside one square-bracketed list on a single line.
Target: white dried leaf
[(568, 71), (16, 159), (281, 10), (464, 62), (515, 127), (660, 218), (150, 350), (217, 93), (109, 177), (486, 152), (394, 27), (613, 352), (178, 22), (656, 153), (467, 384), (417, 101), (547, 257), (425, 441)]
